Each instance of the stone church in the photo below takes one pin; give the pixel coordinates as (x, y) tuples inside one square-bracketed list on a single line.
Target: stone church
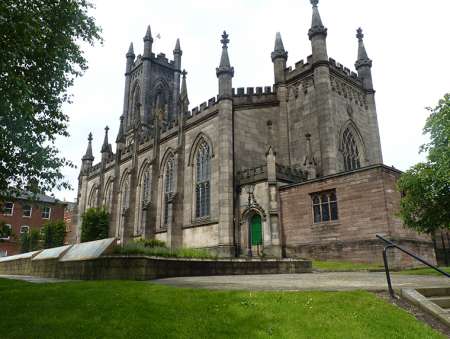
[(291, 169)]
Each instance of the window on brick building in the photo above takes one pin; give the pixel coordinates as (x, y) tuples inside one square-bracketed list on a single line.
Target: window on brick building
[(5, 232), (3, 253), (24, 229), (8, 208), (46, 211), (324, 205), (26, 211)]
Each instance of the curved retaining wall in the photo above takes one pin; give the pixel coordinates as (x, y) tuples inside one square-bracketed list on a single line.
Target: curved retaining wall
[(89, 261), (146, 268)]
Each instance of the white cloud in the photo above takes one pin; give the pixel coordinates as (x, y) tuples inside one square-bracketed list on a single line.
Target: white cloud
[(407, 41)]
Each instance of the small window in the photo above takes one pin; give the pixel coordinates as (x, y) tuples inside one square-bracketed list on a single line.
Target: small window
[(5, 233), (27, 209), (46, 212), (8, 208), (3, 253), (324, 206), (24, 229)]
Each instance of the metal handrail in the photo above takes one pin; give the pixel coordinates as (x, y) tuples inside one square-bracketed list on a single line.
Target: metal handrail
[(386, 265)]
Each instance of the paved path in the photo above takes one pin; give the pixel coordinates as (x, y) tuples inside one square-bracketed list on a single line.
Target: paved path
[(29, 278), (332, 281)]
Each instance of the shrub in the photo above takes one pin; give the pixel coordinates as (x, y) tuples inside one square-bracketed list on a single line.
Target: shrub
[(137, 247), (25, 242), (95, 224), (151, 242), (53, 234), (30, 241)]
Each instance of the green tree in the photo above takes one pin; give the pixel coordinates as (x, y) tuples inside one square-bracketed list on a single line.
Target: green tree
[(40, 44), (25, 242), (425, 205), (95, 224), (53, 234), (30, 241)]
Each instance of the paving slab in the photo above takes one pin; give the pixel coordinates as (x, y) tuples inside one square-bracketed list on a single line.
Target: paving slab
[(331, 281)]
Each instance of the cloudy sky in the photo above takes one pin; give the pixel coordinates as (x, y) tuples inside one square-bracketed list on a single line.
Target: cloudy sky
[(406, 39)]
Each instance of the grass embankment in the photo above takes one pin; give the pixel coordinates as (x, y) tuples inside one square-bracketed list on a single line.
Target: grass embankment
[(343, 266), (425, 271), (112, 309), (158, 249)]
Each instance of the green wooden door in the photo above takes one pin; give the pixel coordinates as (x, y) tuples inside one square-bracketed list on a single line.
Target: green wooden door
[(256, 230)]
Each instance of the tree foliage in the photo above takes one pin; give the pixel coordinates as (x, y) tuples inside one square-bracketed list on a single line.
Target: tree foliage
[(40, 44), (53, 234), (425, 205), (95, 224), (30, 241)]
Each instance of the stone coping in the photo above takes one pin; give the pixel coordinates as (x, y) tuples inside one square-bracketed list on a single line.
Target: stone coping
[(88, 250), (27, 255), (136, 256), (52, 253)]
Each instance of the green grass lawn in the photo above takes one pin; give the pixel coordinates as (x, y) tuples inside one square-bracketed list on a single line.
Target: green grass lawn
[(425, 271), (344, 266), (128, 309)]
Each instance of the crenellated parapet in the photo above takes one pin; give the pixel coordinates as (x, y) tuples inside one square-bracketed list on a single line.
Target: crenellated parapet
[(260, 173)]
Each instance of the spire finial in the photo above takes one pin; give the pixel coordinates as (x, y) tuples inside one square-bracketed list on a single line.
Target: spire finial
[(120, 136), (148, 34), (130, 52), (363, 58), (225, 66), (225, 41), (317, 27), (177, 49), (105, 146), (88, 156), (279, 51), (359, 34), (184, 100)]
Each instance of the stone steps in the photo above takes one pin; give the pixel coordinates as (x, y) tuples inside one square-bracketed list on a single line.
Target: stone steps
[(434, 300), (443, 302)]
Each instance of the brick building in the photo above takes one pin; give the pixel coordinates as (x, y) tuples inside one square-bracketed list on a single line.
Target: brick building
[(22, 215), (250, 171)]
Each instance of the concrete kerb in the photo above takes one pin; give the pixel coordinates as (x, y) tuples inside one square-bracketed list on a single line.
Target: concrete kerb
[(414, 297)]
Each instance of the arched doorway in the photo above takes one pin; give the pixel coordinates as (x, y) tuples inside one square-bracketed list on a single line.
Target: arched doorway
[(256, 236)]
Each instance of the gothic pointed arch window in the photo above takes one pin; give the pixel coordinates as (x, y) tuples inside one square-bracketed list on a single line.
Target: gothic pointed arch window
[(202, 180), (125, 195), (92, 202), (136, 103), (146, 186), (168, 186), (107, 199), (350, 151)]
